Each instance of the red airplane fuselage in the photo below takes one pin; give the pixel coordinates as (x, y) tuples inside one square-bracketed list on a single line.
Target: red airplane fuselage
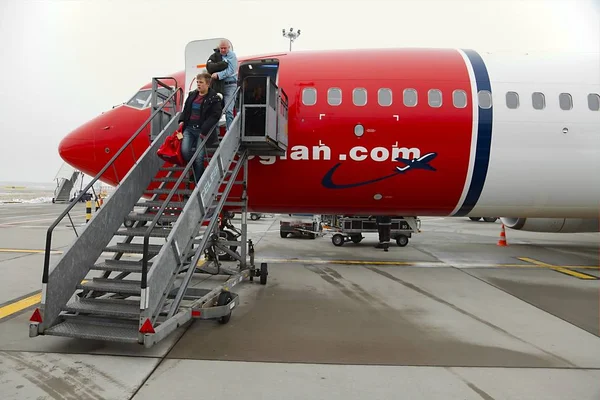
[(398, 131)]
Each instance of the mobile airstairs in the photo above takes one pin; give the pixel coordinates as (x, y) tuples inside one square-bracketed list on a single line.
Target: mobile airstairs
[(173, 231)]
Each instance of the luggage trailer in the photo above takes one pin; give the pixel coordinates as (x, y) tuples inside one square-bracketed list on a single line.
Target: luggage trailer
[(351, 229)]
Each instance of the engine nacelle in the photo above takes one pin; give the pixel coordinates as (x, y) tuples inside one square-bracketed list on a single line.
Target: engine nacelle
[(552, 225)]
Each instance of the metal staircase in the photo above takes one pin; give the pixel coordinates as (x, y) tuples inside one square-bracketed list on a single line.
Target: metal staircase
[(169, 231)]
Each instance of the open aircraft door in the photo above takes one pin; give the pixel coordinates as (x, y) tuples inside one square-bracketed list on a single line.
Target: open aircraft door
[(196, 54)]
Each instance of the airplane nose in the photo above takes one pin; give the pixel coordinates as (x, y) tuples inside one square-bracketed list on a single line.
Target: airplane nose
[(77, 148)]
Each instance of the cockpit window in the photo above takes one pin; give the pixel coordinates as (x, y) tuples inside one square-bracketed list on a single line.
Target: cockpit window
[(143, 98)]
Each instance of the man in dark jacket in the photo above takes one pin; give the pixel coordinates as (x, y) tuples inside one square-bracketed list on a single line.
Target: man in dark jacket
[(215, 63), (201, 112), (384, 228)]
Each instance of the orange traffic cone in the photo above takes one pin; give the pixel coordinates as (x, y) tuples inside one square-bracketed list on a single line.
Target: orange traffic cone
[(502, 241)]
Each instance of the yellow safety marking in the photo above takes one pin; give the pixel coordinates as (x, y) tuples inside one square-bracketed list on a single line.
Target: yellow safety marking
[(29, 251), (416, 263), (557, 268), (22, 304)]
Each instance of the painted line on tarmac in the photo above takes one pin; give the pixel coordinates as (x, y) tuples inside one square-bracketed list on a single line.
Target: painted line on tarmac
[(16, 223), (32, 251), (414, 263), (559, 268), (20, 304)]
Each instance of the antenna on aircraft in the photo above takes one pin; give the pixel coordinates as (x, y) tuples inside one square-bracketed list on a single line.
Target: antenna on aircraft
[(291, 35)]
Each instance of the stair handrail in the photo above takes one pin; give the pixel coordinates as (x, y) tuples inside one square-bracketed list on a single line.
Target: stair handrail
[(144, 280), (98, 175)]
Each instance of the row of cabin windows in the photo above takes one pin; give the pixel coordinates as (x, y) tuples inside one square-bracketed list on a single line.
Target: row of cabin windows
[(434, 98)]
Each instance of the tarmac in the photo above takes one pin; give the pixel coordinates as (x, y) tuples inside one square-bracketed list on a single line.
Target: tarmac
[(450, 316)]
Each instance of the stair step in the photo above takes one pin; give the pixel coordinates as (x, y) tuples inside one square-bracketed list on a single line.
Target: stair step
[(120, 266), (112, 286), (82, 330), (167, 191), (134, 248), (234, 203), (172, 168), (234, 182), (156, 232), (169, 179), (116, 308), (158, 204), (150, 216)]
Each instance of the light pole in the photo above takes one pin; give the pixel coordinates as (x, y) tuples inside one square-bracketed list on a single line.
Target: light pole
[(291, 35)]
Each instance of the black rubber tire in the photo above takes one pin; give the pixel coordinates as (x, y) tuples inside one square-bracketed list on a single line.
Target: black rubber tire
[(356, 239), (474, 218), (490, 219), (128, 223), (230, 237), (264, 272), (224, 298), (401, 240), (283, 234), (337, 240)]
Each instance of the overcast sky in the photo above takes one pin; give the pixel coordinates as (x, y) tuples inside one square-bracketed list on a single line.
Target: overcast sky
[(65, 61)]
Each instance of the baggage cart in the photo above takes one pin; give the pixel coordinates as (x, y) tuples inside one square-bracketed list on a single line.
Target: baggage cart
[(351, 229)]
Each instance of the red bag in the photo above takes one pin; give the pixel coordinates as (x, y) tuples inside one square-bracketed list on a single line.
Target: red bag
[(170, 151)]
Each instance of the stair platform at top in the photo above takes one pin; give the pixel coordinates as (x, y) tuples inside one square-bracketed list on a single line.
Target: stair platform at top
[(264, 116)]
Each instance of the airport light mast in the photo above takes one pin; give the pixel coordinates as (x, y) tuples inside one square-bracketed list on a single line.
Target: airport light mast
[(291, 35)]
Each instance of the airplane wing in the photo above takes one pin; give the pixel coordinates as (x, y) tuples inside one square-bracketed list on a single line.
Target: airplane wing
[(427, 167), (402, 169), (428, 157)]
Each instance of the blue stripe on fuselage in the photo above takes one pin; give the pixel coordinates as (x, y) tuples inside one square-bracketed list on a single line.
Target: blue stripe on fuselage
[(484, 136)]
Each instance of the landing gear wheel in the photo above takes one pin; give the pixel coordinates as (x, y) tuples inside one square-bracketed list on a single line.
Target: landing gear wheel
[(401, 240), (224, 299), (230, 237), (283, 234), (490, 219), (337, 240), (128, 223), (356, 239), (263, 273)]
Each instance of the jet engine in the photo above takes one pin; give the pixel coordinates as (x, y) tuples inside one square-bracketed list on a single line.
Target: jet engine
[(552, 225)]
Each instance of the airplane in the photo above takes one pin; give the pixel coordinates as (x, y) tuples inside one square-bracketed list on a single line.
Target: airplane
[(417, 163), (498, 125)]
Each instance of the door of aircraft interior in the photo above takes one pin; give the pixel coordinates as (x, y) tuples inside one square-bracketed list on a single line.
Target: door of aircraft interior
[(196, 54)]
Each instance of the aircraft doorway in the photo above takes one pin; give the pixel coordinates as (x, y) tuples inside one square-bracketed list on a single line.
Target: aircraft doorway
[(258, 79)]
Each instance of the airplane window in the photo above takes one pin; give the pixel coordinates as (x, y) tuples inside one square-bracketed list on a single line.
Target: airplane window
[(512, 100), (384, 97), (334, 96), (410, 97), (141, 99), (459, 98), (594, 102), (566, 101), (485, 99), (359, 96), (435, 98), (539, 101), (309, 96)]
